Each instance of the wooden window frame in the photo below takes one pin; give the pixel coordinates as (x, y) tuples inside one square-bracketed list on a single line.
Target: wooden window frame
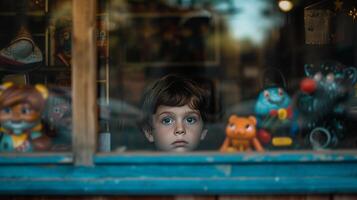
[(208, 173)]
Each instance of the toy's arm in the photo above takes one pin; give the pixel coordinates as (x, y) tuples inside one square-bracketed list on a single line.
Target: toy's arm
[(225, 145), (257, 145)]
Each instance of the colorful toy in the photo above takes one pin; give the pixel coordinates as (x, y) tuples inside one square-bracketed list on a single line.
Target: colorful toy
[(21, 107), (274, 112), (273, 101), (321, 103), (241, 135)]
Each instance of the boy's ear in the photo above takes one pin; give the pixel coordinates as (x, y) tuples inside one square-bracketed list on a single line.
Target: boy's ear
[(204, 133), (148, 135)]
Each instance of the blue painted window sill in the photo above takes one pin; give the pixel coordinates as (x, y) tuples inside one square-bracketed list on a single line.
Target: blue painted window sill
[(195, 173)]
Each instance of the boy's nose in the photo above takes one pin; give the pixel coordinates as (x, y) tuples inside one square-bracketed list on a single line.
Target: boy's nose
[(179, 129), (179, 132)]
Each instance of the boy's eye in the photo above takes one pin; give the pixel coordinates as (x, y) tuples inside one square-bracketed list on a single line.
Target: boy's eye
[(191, 120), (6, 110), (167, 120)]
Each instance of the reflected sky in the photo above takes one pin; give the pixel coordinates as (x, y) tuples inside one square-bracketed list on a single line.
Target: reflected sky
[(254, 20)]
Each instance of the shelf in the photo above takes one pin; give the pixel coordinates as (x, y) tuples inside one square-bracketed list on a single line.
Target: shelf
[(44, 69), (31, 13)]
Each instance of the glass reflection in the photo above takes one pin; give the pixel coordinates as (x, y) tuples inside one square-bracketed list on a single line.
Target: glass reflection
[(288, 77)]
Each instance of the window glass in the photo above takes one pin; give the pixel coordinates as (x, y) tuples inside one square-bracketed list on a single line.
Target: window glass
[(35, 73), (280, 75)]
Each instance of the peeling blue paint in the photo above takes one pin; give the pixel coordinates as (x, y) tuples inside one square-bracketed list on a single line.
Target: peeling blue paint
[(197, 173)]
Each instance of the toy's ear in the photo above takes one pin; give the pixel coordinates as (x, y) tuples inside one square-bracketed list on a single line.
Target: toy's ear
[(253, 119), (309, 70), (5, 85), (232, 117), (42, 90), (350, 75)]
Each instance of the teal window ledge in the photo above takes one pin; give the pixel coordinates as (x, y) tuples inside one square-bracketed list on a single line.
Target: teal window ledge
[(206, 173)]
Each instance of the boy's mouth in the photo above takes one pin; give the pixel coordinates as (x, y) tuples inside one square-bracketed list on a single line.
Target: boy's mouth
[(179, 143)]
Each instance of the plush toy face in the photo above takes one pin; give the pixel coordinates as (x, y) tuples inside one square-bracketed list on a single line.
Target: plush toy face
[(270, 99), (21, 107), (241, 127), (19, 117)]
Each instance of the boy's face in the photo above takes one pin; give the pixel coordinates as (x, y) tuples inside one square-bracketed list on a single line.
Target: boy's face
[(176, 129)]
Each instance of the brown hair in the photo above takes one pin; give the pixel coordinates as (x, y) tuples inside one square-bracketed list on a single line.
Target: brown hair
[(173, 90), (16, 94)]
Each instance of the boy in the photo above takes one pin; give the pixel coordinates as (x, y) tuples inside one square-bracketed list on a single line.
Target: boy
[(174, 113)]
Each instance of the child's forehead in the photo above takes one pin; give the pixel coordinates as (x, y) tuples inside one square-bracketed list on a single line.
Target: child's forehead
[(175, 109)]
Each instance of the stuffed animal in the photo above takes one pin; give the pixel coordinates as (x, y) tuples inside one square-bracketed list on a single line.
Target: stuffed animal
[(21, 107), (58, 118), (241, 135), (321, 103)]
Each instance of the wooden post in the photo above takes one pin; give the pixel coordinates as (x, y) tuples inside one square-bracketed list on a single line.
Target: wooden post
[(84, 89)]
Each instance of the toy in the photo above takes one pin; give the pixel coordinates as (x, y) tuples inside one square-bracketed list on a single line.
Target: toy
[(321, 103), (21, 107), (58, 118), (275, 115), (271, 100), (241, 135)]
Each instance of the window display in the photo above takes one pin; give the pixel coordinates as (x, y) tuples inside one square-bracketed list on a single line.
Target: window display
[(278, 107), (34, 60), (292, 70)]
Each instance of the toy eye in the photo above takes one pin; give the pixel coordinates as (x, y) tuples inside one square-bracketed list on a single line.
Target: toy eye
[(25, 111), (318, 77), (280, 92), (248, 127), (232, 126), (266, 94), (56, 110), (6, 110), (330, 77)]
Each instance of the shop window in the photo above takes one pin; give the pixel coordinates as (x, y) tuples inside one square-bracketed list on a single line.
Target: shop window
[(285, 76), (293, 71)]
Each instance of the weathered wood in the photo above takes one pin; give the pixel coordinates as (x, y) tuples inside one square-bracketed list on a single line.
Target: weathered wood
[(84, 65), (277, 197), (344, 197), (212, 197)]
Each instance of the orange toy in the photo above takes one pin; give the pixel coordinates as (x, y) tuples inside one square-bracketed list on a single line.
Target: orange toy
[(241, 135)]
